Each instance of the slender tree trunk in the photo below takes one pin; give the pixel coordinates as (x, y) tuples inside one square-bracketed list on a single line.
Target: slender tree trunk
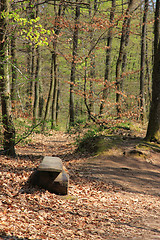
[(30, 61), (57, 29), (143, 56), (108, 58), (55, 91), (148, 77), (55, 42), (50, 94), (92, 56), (14, 71), (41, 99), (57, 104), (73, 67), (13, 66), (36, 82), (29, 84), (36, 87), (153, 131), (8, 126), (123, 54)]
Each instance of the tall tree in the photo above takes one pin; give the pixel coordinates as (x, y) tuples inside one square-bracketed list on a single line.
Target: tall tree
[(8, 126), (108, 57), (143, 59), (30, 58), (14, 64), (122, 58), (153, 130), (57, 29), (53, 91), (36, 82), (92, 72), (73, 64), (36, 87)]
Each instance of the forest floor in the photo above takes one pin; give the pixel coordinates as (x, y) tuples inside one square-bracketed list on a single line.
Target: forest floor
[(113, 195)]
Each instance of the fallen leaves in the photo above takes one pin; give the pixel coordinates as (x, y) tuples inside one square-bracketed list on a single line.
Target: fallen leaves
[(92, 210)]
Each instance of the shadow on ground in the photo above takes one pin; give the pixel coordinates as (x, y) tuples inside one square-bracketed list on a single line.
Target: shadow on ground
[(138, 173), (7, 237)]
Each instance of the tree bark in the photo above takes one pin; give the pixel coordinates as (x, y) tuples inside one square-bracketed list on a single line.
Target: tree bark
[(53, 92), (123, 54), (73, 66), (108, 58), (30, 61), (143, 57), (14, 71), (50, 94), (36, 87), (8, 126), (153, 130), (92, 73), (36, 82)]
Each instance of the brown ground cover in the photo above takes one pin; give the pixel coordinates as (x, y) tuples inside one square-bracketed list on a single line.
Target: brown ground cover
[(114, 195)]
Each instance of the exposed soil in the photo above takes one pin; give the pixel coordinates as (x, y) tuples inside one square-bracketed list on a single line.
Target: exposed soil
[(114, 195)]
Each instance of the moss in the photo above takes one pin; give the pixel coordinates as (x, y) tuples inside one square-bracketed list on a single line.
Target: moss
[(98, 144)]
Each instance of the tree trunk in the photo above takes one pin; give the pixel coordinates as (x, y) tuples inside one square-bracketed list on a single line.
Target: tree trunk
[(55, 92), (153, 131), (92, 57), (73, 67), (122, 55), (50, 94), (41, 99), (30, 61), (36, 87), (14, 71), (8, 126), (36, 84), (108, 58), (57, 104), (143, 56)]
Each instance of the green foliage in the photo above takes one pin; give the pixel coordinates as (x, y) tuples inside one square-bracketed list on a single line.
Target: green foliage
[(30, 29), (88, 143)]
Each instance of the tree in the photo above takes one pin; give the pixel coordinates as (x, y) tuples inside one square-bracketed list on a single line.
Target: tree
[(36, 84), (53, 90), (8, 126), (14, 64), (122, 58), (73, 65), (153, 130), (57, 29), (143, 56), (108, 57)]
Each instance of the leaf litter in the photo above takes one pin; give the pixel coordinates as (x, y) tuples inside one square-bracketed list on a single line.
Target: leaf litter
[(93, 209)]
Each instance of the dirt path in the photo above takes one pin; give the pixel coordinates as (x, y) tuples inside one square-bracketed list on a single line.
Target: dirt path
[(138, 180), (115, 195)]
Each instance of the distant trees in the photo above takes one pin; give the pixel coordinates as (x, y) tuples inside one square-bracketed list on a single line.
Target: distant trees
[(89, 50)]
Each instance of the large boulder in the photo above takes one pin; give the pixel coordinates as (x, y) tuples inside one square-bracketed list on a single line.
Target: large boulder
[(51, 175)]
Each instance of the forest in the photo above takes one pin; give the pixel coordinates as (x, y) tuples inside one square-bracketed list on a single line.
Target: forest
[(80, 80), (92, 61)]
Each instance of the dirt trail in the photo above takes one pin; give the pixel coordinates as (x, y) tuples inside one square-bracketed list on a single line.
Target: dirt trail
[(137, 174), (132, 182)]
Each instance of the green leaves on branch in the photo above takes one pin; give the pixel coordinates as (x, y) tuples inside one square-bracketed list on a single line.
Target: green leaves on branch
[(30, 29)]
